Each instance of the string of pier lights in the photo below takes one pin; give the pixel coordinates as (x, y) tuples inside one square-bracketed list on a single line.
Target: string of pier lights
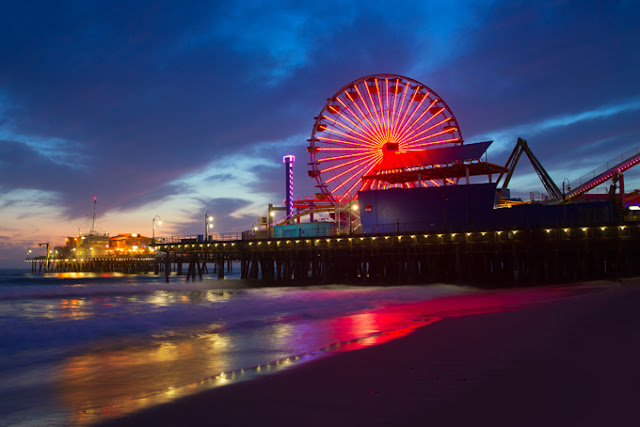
[(441, 236), (509, 234)]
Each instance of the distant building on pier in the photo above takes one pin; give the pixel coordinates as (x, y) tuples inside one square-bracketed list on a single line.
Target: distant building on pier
[(129, 244), (89, 246)]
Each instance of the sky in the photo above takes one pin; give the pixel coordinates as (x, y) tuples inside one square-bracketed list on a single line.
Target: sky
[(181, 108)]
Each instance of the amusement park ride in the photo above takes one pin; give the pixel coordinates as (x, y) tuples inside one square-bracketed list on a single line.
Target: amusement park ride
[(389, 132)]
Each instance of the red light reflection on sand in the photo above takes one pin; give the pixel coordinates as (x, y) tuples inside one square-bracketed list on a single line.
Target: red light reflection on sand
[(367, 329), (376, 327)]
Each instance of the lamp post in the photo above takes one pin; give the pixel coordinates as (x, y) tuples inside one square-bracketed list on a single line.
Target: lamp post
[(208, 223), (352, 207), (270, 214), (563, 189), (153, 223)]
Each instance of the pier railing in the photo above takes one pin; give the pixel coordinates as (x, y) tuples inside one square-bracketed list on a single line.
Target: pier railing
[(198, 238)]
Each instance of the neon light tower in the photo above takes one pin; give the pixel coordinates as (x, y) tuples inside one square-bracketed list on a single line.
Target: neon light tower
[(289, 161)]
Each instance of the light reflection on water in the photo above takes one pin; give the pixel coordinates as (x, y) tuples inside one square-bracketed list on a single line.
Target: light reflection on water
[(111, 382), (80, 354), (80, 308)]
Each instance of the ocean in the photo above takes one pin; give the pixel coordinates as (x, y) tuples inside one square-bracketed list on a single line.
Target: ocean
[(80, 348)]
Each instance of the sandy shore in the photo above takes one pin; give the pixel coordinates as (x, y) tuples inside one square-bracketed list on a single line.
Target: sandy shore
[(565, 361)]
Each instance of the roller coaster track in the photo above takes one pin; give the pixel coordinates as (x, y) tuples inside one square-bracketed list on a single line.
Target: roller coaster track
[(604, 172)]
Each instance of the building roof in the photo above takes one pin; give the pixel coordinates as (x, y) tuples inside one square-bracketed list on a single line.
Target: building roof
[(128, 236), (433, 156), (436, 163)]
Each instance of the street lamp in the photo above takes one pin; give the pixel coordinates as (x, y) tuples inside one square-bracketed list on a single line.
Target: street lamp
[(568, 188), (208, 223), (352, 207), (153, 236)]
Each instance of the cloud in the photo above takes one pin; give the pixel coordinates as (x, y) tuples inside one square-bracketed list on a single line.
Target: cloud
[(169, 108), (504, 138)]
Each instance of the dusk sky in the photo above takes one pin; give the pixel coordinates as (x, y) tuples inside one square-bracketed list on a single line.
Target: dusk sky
[(179, 108)]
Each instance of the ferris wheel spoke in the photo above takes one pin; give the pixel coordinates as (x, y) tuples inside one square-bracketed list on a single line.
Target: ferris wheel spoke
[(408, 124), (349, 137), (373, 110), (358, 163), (340, 142), (404, 106), (340, 165), (379, 130), (355, 175), (379, 109), (385, 125), (358, 180), (413, 129), (346, 156), (362, 150), (400, 105), (434, 135), (364, 132), (371, 128), (399, 129), (446, 119), (414, 147), (334, 122), (388, 109)]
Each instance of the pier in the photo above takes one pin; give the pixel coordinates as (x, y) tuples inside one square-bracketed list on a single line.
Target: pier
[(498, 257)]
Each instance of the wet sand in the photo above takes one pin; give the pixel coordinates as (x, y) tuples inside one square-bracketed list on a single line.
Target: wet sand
[(521, 358)]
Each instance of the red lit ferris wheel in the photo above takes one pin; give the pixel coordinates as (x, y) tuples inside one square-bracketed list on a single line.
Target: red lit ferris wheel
[(368, 119)]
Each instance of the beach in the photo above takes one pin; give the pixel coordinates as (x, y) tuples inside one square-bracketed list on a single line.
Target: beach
[(530, 358)]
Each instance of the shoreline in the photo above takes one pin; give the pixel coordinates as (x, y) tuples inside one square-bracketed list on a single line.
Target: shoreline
[(525, 361)]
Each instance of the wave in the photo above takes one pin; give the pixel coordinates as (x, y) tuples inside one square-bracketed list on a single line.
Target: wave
[(184, 309)]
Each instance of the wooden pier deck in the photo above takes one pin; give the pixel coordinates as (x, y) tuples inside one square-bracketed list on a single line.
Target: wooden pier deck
[(496, 258), (500, 257)]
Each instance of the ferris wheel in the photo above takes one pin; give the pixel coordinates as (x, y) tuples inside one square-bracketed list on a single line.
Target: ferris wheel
[(369, 118)]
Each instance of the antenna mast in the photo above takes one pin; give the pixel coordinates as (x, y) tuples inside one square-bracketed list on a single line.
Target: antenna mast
[(93, 223)]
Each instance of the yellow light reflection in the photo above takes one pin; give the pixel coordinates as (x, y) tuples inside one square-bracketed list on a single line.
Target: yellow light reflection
[(138, 377)]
